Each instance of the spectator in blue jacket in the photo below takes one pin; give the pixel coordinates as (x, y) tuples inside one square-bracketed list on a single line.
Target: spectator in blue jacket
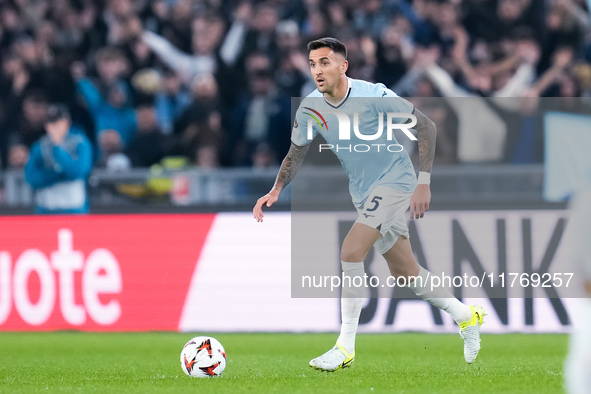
[(59, 165), (108, 97)]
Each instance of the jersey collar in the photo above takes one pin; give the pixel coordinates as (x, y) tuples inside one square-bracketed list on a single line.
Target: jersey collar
[(344, 98)]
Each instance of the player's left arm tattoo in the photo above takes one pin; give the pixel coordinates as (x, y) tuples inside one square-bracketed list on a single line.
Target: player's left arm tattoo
[(290, 165), (427, 137)]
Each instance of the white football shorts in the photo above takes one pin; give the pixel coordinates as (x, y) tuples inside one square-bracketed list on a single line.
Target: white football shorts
[(385, 210)]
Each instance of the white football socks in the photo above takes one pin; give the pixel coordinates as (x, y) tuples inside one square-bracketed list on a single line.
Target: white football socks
[(351, 302), (440, 297), (352, 299)]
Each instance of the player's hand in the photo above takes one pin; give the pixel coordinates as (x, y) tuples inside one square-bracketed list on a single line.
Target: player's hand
[(268, 200), (419, 202)]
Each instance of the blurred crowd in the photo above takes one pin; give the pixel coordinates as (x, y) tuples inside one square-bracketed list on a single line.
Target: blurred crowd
[(212, 81)]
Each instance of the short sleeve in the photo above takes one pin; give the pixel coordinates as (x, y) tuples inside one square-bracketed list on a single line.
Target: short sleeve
[(398, 104), (299, 131), (388, 101)]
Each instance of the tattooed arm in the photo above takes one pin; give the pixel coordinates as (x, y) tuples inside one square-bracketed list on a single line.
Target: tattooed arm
[(289, 167), (419, 202), (427, 137)]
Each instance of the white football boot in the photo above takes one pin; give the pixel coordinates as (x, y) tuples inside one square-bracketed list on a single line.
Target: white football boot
[(470, 333), (335, 358)]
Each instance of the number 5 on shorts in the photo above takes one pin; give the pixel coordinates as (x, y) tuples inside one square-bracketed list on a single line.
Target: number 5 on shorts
[(376, 201)]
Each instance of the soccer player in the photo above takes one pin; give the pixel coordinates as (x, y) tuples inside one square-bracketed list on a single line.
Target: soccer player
[(382, 184)]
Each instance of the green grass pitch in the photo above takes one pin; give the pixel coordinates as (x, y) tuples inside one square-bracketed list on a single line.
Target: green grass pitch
[(278, 363)]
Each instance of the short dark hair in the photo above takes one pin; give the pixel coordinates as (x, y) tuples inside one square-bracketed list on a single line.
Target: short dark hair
[(328, 42), (108, 54), (57, 112)]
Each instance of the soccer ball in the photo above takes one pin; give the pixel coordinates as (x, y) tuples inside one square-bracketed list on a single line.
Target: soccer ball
[(203, 357)]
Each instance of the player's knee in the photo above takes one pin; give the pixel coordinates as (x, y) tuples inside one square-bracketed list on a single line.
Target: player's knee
[(352, 254)]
